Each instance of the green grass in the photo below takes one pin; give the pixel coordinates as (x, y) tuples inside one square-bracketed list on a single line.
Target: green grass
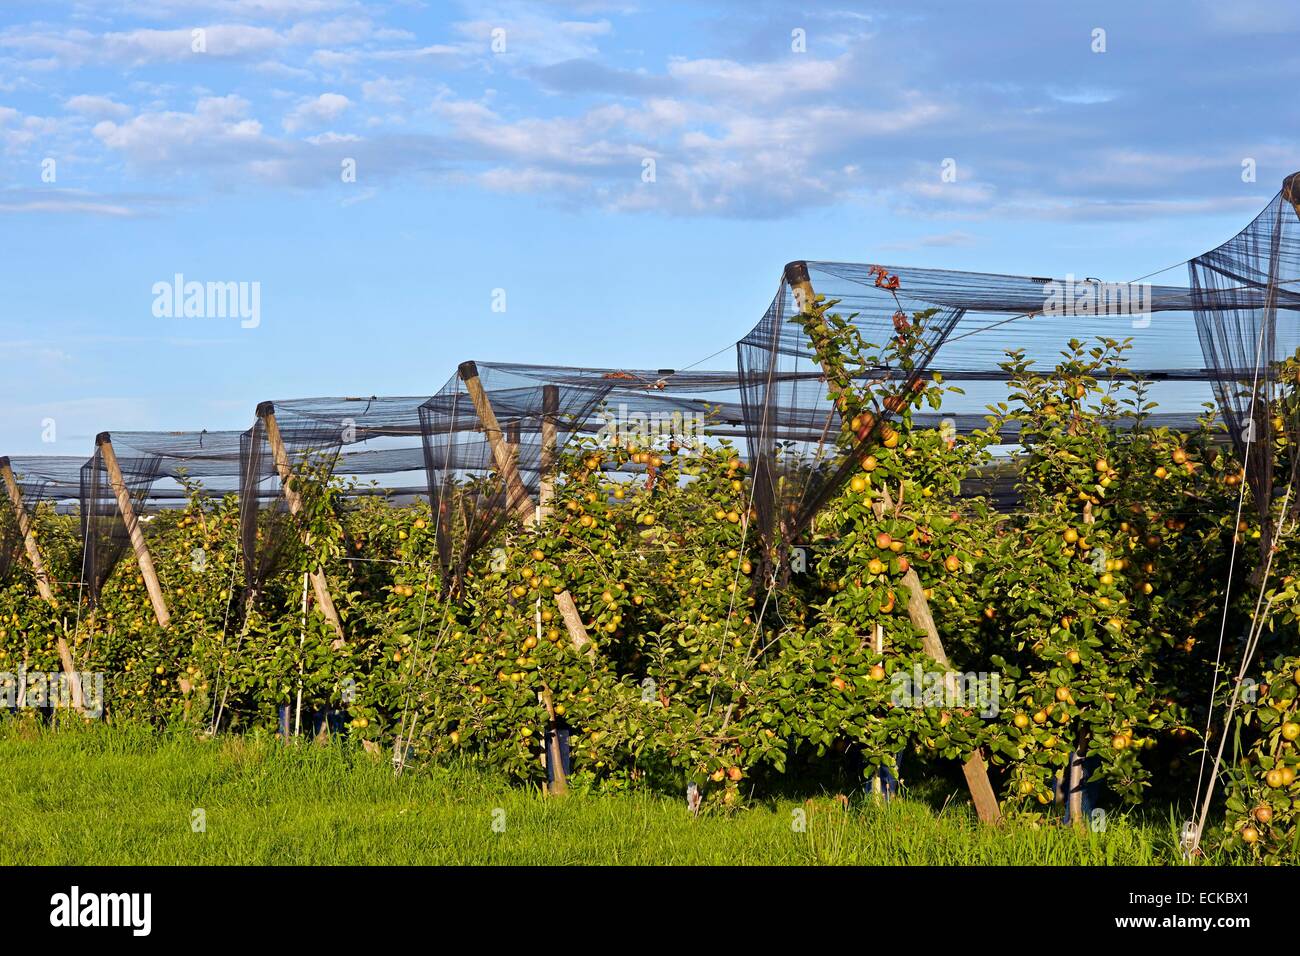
[(103, 795)]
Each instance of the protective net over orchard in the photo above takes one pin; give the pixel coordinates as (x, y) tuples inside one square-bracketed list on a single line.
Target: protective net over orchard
[(1215, 343)]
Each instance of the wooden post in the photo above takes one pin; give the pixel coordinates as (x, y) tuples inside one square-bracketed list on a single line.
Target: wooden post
[(554, 760), (70, 671), (25, 529), (573, 623), (918, 608), (545, 495), (517, 498), (43, 585), (1074, 770), (975, 769), (1074, 781), (514, 443), (319, 583), (550, 450), (1291, 191), (142, 556)]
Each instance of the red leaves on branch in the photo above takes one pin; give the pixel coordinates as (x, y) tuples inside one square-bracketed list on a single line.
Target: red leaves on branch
[(883, 279)]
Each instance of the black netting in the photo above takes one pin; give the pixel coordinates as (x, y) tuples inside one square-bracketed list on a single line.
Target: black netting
[(10, 542), (52, 478), (467, 491), (625, 406), (792, 419), (40, 480), (104, 533), (1217, 341), (1240, 289), (267, 530), (11, 539), (264, 522)]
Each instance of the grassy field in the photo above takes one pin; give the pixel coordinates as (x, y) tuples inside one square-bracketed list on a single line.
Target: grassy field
[(112, 796)]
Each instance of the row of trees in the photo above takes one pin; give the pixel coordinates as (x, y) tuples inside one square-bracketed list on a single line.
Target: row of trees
[(1087, 620)]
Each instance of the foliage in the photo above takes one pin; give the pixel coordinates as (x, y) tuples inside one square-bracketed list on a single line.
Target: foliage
[(1097, 603)]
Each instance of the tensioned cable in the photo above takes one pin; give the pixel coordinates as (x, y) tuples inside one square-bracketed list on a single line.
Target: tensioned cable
[(1030, 315), (706, 358)]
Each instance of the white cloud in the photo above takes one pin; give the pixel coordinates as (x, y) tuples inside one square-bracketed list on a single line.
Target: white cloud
[(97, 107), (758, 82), (315, 112), (174, 138), (1132, 167), (31, 350), (1250, 16), (1082, 96), (364, 195), (139, 47), (330, 33), (711, 159), (384, 90), (573, 106), (533, 37), (966, 193), (50, 199), (47, 205), (571, 142), (19, 131), (46, 48), (284, 71), (329, 139), (250, 9), (509, 179)]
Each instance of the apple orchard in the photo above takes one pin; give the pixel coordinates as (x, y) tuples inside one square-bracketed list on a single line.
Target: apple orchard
[(1096, 603)]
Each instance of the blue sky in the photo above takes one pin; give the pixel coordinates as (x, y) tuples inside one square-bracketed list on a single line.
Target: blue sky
[(503, 146)]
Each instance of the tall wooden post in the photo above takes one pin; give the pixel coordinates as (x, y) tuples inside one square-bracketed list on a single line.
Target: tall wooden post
[(517, 498), (25, 529), (554, 758), (918, 608), (280, 455), (545, 495), (43, 584), (142, 556), (514, 438), (550, 450), (1075, 769), (1291, 191)]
